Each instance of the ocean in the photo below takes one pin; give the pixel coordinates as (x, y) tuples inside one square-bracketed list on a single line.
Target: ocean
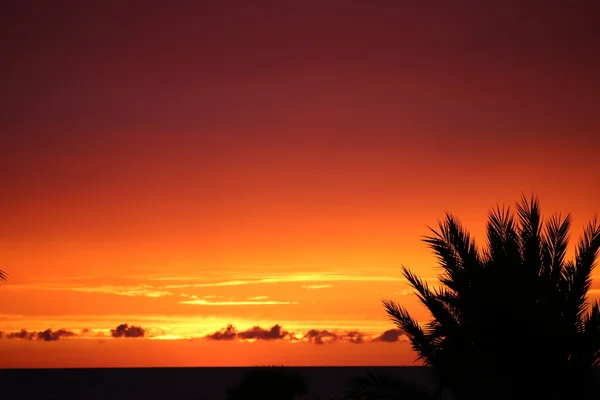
[(167, 383)]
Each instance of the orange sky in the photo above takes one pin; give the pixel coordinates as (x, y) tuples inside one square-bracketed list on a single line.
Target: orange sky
[(184, 168)]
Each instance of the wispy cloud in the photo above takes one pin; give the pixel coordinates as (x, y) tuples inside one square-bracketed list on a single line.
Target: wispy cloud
[(288, 278), (140, 290), (316, 286), (258, 298), (203, 302), (171, 278), (164, 287), (137, 290)]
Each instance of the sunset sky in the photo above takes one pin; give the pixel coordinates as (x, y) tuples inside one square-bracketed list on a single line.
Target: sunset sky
[(184, 166)]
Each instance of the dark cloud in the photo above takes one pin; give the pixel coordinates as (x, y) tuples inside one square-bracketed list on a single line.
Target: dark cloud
[(256, 332), (389, 336), (22, 334), (354, 337), (276, 332), (319, 337), (228, 333), (47, 336), (316, 336), (127, 331)]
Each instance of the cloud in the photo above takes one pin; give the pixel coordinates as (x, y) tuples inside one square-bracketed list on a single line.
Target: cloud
[(308, 277), (389, 336), (229, 333), (167, 285), (127, 331), (255, 333), (320, 336), (258, 298), (92, 333), (275, 333), (354, 337), (22, 334), (316, 286), (203, 302), (258, 333), (194, 296), (315, 336), (131, 291), (47, 336)]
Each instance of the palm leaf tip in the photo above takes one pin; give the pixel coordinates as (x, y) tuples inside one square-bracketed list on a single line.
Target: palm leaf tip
[(419, 340), (587, 249)]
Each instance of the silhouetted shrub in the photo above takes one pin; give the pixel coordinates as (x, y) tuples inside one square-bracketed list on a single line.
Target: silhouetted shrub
[(269, 383)]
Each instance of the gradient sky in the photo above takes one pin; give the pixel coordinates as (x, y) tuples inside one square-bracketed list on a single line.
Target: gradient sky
[(184, 166)]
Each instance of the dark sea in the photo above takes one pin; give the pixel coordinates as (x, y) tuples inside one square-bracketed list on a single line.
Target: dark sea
[(167, 383)]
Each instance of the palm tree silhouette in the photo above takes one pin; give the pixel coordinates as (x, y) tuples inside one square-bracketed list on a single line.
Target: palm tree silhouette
[(3, 275), (511, 320)]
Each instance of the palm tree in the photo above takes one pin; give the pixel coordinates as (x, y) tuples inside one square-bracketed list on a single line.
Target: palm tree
[(510, 320), (3, 275)]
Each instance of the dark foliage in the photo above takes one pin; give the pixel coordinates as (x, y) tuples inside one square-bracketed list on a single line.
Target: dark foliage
[(378, 386), (510, 320), (269, 383)]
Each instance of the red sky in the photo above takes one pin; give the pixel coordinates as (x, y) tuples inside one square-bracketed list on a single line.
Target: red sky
[(186, 167)]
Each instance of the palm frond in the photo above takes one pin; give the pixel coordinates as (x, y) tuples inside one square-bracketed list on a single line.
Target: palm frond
[(456, 251), (420, 342), (530, 223), (580, 274), (450, 299), (379, 386), (3, 275), (556, 240), (503, 240), (436, 307), (591, 334), (458, 239), (447, 258)]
